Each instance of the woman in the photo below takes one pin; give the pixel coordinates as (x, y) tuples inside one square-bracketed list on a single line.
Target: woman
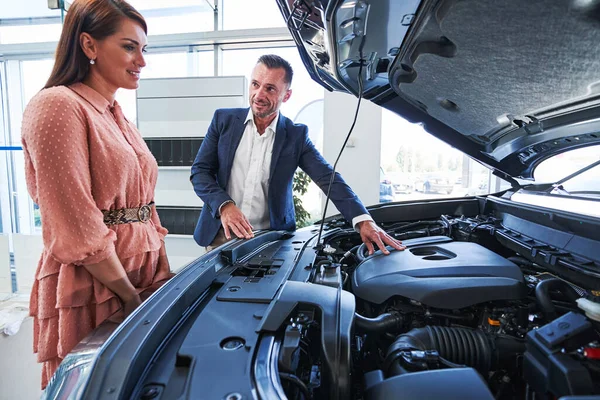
[(93, 178)]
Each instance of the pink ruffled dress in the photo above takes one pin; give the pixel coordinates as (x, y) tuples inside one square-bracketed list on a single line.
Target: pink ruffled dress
[(82, 156)]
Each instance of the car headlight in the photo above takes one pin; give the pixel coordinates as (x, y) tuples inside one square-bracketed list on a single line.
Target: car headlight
[(72, 375), (70, 378)]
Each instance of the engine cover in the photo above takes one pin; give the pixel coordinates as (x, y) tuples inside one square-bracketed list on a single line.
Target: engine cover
[(443, 275)]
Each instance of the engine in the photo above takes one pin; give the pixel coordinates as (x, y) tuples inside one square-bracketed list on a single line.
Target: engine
[(455, 315), (440, 273)]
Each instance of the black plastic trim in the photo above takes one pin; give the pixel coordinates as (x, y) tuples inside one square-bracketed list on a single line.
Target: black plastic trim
[(123, 359), (179, 220), (337, 315)]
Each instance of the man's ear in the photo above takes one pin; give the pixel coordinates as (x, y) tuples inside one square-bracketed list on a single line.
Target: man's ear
[(287, 96), (88, 45)]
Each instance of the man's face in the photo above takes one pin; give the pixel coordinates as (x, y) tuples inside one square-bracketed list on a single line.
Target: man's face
[(268, 90)]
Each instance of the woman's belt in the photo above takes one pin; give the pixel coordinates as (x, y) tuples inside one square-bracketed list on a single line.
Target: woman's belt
[(128, 215)]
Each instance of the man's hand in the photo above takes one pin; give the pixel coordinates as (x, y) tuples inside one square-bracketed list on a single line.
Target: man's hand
[(370, 233), (234, 220)]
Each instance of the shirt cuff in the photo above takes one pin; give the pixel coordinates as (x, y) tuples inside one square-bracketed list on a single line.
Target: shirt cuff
[(221, 206), (360, 218)]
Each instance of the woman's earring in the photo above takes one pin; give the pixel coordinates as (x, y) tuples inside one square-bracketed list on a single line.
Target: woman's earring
[(92, 61)]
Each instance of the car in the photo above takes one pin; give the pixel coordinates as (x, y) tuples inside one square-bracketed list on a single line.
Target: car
[(433, 183), (402, 183), (479, 185), (386, 190), (495, 296)]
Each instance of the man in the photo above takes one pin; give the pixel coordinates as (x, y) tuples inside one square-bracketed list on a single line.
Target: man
[(244, 169)]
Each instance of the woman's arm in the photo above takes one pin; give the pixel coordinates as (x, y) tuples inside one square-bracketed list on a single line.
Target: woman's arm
[(112, 274)]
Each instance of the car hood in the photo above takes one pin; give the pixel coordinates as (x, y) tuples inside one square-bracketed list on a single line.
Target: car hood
[(510, 83)]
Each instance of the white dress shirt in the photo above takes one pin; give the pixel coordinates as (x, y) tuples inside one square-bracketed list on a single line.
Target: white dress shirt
[(248, 183), (249, 180)]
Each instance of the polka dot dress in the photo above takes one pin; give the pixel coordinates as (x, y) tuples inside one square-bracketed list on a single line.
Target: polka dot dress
[(82, 156)]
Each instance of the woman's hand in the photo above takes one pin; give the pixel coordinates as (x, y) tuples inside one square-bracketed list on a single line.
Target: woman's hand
[(131, 304)]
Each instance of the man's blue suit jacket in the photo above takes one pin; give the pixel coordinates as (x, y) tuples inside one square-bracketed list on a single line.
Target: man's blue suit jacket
[(292, 148)]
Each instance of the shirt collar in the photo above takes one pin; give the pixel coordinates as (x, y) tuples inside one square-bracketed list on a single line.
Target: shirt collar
[(272, 126), (91, 96)]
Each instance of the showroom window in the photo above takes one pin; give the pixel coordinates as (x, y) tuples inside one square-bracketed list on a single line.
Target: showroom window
[(34, 75), (176, 16), (245, 14), (417, 165), (29, 33), (28, 22)]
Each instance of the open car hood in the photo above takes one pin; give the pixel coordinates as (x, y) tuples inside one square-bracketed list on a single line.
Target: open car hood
[(510, 83)]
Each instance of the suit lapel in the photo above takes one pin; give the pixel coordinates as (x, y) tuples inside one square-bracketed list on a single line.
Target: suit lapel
[(280, 136), (237, 130)]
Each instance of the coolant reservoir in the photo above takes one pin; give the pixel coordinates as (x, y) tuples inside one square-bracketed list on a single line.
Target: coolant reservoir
[(591, 309)]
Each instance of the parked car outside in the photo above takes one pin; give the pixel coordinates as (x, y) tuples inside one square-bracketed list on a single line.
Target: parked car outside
[(386, 190), (401, 182), (433, 183)]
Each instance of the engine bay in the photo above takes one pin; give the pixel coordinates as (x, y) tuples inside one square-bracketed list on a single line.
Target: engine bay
[(490, 300), (460, 313)]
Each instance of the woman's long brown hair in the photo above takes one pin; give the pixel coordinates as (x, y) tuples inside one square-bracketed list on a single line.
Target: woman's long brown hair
[(100, 19)]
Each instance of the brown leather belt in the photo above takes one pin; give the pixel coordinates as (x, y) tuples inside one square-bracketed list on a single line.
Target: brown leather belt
[(128, 215)]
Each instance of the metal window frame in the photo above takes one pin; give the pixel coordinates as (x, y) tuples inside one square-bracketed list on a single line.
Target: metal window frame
[(249, 37), (12, 97), (6, 208)]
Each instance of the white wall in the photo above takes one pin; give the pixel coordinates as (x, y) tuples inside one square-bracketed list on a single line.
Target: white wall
[(182, 250), (27, 251), (359, 165), (20, 374)]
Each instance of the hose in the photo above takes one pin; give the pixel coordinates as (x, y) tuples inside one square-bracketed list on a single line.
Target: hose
[(382, 323), (462, 346), (360, 253), (351, 253), (296, 381), (543, 299), (323, 262)]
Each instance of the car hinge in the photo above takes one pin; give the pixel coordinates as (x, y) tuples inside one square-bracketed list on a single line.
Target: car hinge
[(502, 175)]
